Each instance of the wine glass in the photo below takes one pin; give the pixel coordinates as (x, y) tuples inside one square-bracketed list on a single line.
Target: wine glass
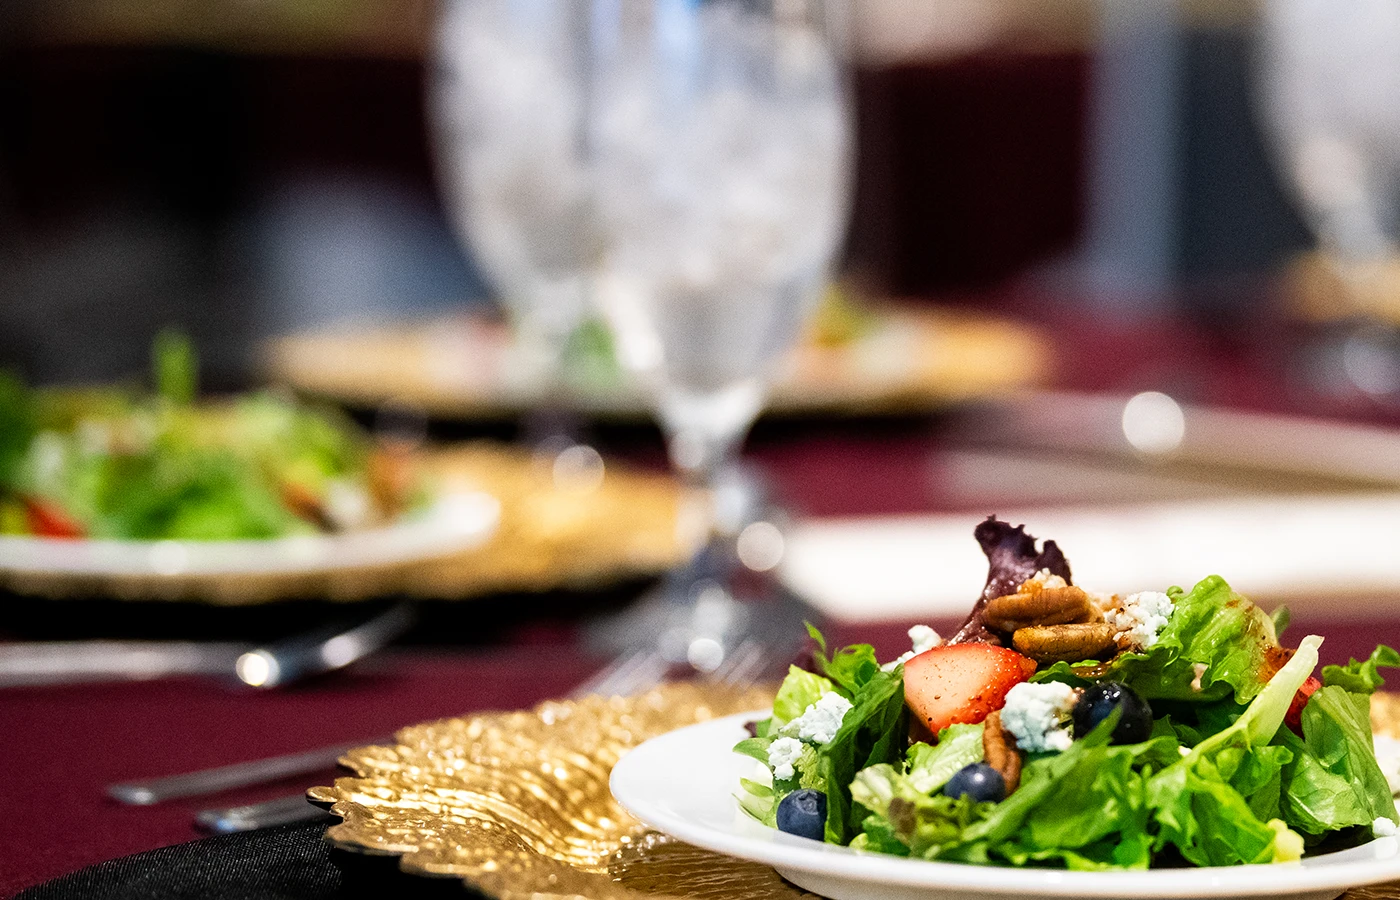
[(1328, 78), (720, 144), (507, 94)]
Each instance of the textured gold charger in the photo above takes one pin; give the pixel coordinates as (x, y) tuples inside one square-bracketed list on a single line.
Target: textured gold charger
[(517, 804), (578, 532), (911, 358)]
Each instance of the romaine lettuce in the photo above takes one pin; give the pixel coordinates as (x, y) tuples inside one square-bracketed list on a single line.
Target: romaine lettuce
[(1220, 803), (1362, 677), (1216, 644)]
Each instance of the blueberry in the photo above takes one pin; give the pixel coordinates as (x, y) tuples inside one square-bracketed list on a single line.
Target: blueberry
[(1099, 700), (803, 813), (977, 780)]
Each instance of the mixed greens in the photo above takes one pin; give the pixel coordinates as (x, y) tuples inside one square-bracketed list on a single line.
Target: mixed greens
[(1234, 753), (121, 463)]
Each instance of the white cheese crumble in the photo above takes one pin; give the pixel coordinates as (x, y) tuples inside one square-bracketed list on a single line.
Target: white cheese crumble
[(1037, 715), (1383, 827), (1042, 580), (1142, 617), (923, 638), (822, 719), (782, 753)]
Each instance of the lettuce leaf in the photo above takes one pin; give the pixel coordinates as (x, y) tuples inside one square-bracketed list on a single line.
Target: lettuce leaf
[(1335, 781), (875, 731), (18, 425), (1085, 808), (930, 766), (907, 820), (800, 689), (1362, 677), (850, 667), (1211, 626), (1220, 804)]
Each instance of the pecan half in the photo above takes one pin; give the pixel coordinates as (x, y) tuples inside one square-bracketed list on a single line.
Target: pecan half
[(1066, 643), (1037, 605), (1000, 752)]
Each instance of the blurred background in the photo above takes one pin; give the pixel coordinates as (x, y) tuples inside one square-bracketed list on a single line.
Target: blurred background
[(245, 169)]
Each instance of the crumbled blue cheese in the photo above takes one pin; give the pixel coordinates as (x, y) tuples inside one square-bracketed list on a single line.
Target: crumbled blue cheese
[(1142, 617), (782, 753), (1037, 715), (1383, 827), (822, 719), (1042, 580), (922, 638)]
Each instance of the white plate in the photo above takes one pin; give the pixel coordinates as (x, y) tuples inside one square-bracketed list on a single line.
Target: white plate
[(683, 784), (453, 522)]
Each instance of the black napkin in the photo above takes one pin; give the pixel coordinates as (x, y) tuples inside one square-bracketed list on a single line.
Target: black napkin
[(292, 862)]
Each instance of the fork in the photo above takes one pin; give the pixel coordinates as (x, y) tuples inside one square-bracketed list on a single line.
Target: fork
[(630, 673)]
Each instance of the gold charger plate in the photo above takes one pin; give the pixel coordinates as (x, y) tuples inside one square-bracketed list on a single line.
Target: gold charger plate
[(907, 359), (583, 531), (517, 805)]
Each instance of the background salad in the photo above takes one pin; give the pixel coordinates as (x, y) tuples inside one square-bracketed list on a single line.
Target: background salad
[(119, 462), (1199, 740)]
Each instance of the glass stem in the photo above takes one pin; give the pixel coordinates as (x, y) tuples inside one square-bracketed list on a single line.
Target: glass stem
[(703, 433)]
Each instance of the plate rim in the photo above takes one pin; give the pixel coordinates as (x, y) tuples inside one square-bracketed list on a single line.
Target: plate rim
[(802, 855), (455, 521)]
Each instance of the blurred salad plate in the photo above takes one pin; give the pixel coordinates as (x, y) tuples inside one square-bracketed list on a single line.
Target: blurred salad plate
[(133, 493)]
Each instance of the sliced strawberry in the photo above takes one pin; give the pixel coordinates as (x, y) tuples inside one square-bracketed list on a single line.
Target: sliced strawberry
[(46, 519), (1294, 717), (961, 683)]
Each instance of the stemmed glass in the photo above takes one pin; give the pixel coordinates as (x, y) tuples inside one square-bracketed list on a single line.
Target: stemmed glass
[(507, 93), (720, 143), (1328, 78)]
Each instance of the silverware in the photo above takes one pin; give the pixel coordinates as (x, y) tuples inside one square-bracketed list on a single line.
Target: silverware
[(68, 662), (282, 811), (629, 673), (322, 651), (237, 775), (273, 665)]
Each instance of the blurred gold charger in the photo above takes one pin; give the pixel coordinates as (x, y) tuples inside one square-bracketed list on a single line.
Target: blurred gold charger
[(581, 530), (517, 804), (888, 358)]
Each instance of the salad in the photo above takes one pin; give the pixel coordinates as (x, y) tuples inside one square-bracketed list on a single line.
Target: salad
[(122, 463), (1062, 728)]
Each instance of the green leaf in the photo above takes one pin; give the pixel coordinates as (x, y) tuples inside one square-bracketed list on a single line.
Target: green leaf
[(800, 689), (1337, 732), (1084, 808), (874, 731), (1212, 627), (18, 426), (850, 667), (175, 367), (1362, 677), (930, 766), (1218, 803)]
